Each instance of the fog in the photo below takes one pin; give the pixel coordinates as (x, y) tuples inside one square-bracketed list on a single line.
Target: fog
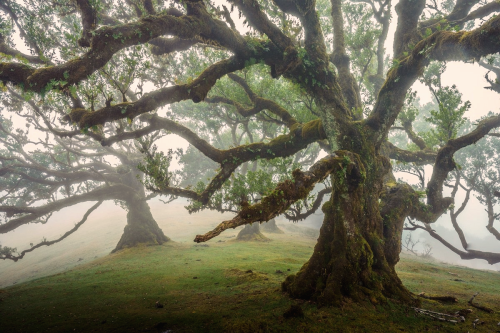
[(98, 236), (95, 239)]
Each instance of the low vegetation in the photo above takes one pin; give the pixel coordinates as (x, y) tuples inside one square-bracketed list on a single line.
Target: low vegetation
[(230, 286)]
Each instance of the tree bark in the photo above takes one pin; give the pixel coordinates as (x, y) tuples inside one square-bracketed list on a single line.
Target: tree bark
[(141, 227), (251, 232), (271, 227), (357, 249)]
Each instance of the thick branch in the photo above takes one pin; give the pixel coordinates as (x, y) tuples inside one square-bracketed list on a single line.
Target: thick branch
[(414, 136), (341, 60), (285, 194), (445, 163), (168, 45), (106, 41), (420, 157), (481, 12), (441, 46), (258, 19), (408, 13), (89, 21), (196, 91)]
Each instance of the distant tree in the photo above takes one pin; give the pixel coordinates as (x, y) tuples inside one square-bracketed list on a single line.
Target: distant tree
[(478, 169), (325, 79), (478, 175), (45, 169)]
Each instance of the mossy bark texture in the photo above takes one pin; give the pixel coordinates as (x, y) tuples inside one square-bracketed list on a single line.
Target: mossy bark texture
[(350, 260)]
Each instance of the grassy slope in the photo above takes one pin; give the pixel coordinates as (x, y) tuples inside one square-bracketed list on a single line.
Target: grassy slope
[(118, 293)]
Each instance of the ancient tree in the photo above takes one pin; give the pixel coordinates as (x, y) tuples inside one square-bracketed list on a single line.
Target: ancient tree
[(45, 169), (314, 70)]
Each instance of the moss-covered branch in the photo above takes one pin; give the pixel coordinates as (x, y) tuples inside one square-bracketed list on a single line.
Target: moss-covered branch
[(106, 41), (285, 194), (445, 163), (285, 145), (442, 46), (258, 19), (196, 91), (420, 157)]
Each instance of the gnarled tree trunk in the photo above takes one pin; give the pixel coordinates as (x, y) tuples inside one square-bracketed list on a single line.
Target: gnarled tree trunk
[(141, 226), (357, 248)]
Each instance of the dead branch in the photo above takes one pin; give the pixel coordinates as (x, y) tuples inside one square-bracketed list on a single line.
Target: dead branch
[(436, 315), (439, 298), (477, 306)]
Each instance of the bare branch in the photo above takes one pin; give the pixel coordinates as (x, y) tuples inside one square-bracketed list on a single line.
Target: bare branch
[(48, 243), (32, 213)]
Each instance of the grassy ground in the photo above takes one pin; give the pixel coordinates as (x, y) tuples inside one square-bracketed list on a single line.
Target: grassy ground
[(227, 286)]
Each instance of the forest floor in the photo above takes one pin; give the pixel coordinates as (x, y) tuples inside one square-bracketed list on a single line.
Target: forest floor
[(229, 286)]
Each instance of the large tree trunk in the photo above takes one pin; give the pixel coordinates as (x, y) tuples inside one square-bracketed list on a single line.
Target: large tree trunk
[(141, 227), (271, 227), (357, 249), (251, 232)]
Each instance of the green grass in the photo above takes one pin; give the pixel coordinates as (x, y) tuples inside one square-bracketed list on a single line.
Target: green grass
[(118, 293)]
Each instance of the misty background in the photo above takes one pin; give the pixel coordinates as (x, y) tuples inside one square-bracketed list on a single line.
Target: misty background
[(98, 236)]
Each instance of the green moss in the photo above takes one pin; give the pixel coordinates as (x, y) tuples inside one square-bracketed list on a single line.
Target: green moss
[(119, 292)]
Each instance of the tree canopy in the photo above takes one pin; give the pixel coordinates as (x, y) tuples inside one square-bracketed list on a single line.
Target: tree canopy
[(256, 88)]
